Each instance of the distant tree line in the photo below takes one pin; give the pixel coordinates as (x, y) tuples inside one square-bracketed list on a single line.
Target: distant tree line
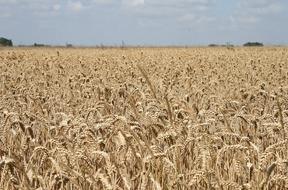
[(214, 45), (5, 42), (40, 45), (221, 45), (248, 44), (69, 45)]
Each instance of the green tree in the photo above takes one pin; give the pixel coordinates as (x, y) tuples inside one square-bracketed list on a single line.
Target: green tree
[(249, 44), (5, 42)]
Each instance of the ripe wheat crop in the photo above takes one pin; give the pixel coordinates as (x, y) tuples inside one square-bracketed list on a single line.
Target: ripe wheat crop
[(151, 118)]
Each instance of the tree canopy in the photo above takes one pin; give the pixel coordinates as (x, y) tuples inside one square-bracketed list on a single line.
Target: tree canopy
[(5, 42), (249, 44)]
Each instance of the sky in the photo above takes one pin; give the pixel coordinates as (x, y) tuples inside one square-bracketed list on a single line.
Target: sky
[(144, 22)]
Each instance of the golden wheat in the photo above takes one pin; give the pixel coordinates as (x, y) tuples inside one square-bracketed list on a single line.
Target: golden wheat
[(151, 118)]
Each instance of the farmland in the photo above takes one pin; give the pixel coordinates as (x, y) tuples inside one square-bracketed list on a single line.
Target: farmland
[(146, 118)]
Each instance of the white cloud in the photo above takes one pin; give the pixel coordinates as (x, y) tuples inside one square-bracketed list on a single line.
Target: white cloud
[(177, 12), (75, 6), (244, 19), (251, 12), (191, 20), (198, 11), (56, 7), (5, 15), (261, 7), (187, 18), (168, 8), (133, 2), (103, 1), (147, 6)]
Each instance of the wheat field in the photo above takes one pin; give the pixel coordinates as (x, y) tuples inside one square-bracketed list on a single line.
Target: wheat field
[(144, 118)]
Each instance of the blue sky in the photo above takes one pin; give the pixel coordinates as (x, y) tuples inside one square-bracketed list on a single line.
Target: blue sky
[(144, 22)]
